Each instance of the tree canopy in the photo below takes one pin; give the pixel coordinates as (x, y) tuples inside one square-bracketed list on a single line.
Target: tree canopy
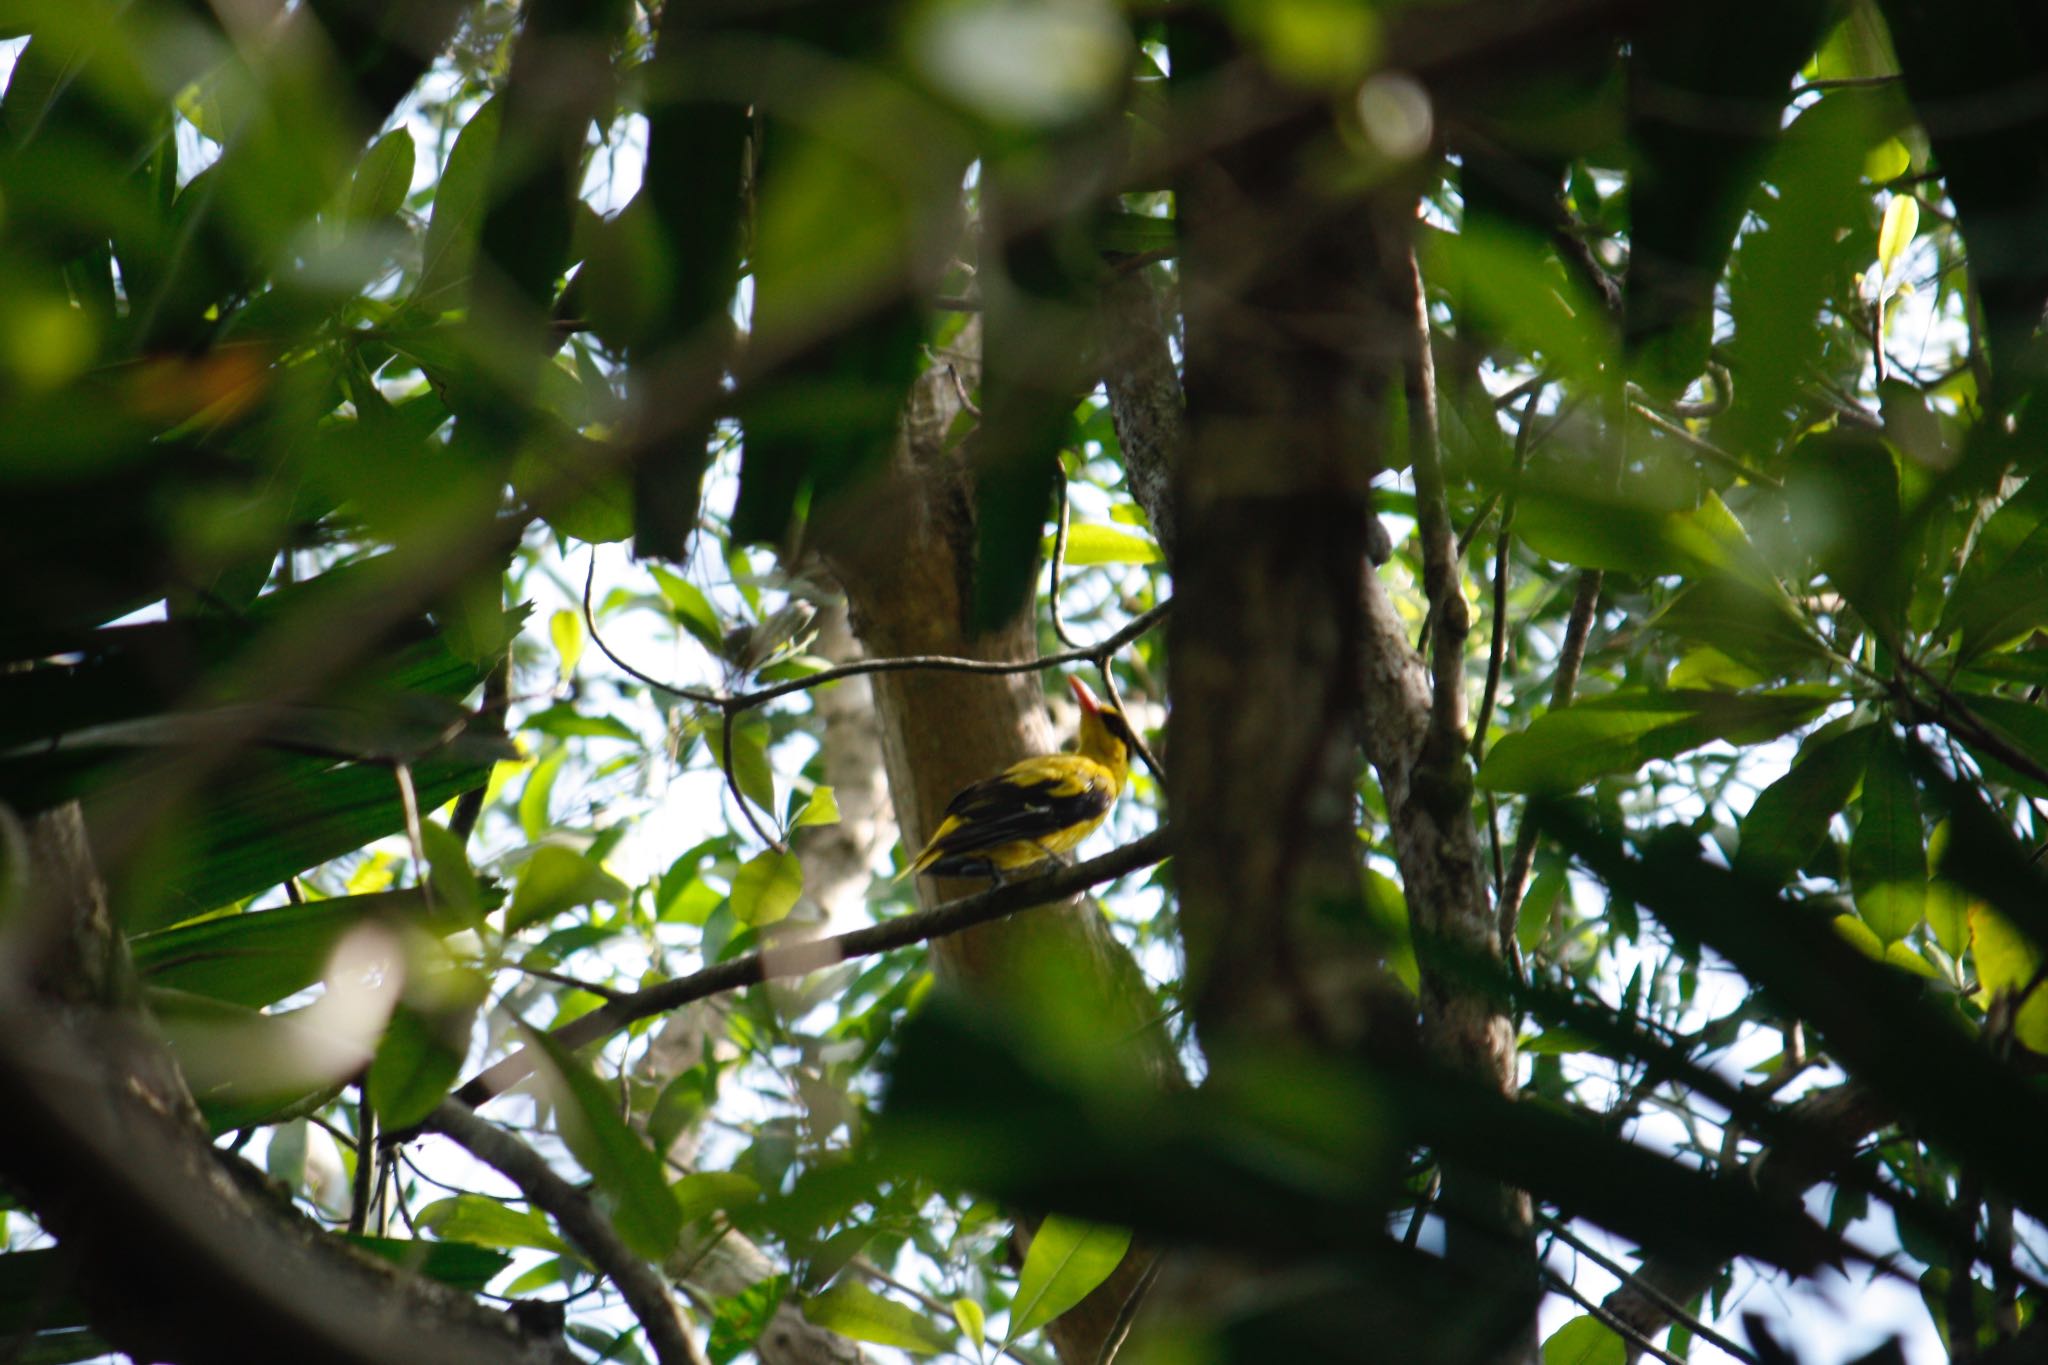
[(516, 519)]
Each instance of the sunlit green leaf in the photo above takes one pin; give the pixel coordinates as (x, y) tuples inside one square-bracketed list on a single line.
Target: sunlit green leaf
[(565, 630), (2008, 963), (1093, 543), (451, 239), (821, 809), (489, 1222), (555, 879), (1901, 222), (1067, 1259), (973, 1321), (766, 888), (692, 609), (854, 1311), (627, 1170), (384, 177), (1564, 750), (1585, 1340)]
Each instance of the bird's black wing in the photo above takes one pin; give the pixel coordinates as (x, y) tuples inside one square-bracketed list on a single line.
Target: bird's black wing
[(1023, 806)]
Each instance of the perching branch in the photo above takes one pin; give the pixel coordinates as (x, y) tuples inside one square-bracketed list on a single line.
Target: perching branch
[(798, 959), (640, 1284)]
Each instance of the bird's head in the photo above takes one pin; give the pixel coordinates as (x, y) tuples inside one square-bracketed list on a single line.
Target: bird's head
[(1105, 734)]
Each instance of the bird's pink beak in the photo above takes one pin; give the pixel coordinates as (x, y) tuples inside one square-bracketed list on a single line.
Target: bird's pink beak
[(1084, 696)]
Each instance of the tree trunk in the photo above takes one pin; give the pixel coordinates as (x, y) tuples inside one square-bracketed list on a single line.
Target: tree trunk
[(904, 549)]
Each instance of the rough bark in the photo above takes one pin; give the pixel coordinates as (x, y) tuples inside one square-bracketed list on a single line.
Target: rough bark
[(1290, 351), (1145, 402), (181, 1255), (904, 550), (1301, 326)]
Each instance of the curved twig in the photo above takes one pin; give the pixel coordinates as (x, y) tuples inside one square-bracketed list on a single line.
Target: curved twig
[(640, 1284), (732, 782), (902, 663)]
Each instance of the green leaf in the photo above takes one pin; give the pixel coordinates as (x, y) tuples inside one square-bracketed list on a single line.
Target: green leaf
[(459, 201), (2002, 592), (750, 765), (2023, 725), (1888, 160), (973, 1321), (1585, 1340), (627, 1171), (463, 1265), (855, 1311), (485, 1222), (260, 957), (1843, 491), (565, 629), (534, 798), (2007, 962), (703, 1192), (383, 178), (1901, 222), (1888, 852), (766, 888), (425, 1043), (555, 879), (1761, 629), (1519, 290), (566, 722), (1067, 1259), (1564, 750), (691, 609), (821, 809), (1789, 819), (1093, 543), (282, 814)]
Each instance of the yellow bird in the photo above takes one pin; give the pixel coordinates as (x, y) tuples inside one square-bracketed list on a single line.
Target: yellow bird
[(1035, 811)]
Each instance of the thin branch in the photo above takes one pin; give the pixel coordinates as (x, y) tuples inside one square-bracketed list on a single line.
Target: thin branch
[(944, 663), (364, 1183), (1571, 654), (1954, 716), (1620, 1328), (1114, 695), (732, 782), (1699, 444), (960, 389), (1127, 1313), (1816, 87), (469, 807), (801, 958), (410, 799), (640, 1284), (1496, 654), (1671, 1306), (572, 982)]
